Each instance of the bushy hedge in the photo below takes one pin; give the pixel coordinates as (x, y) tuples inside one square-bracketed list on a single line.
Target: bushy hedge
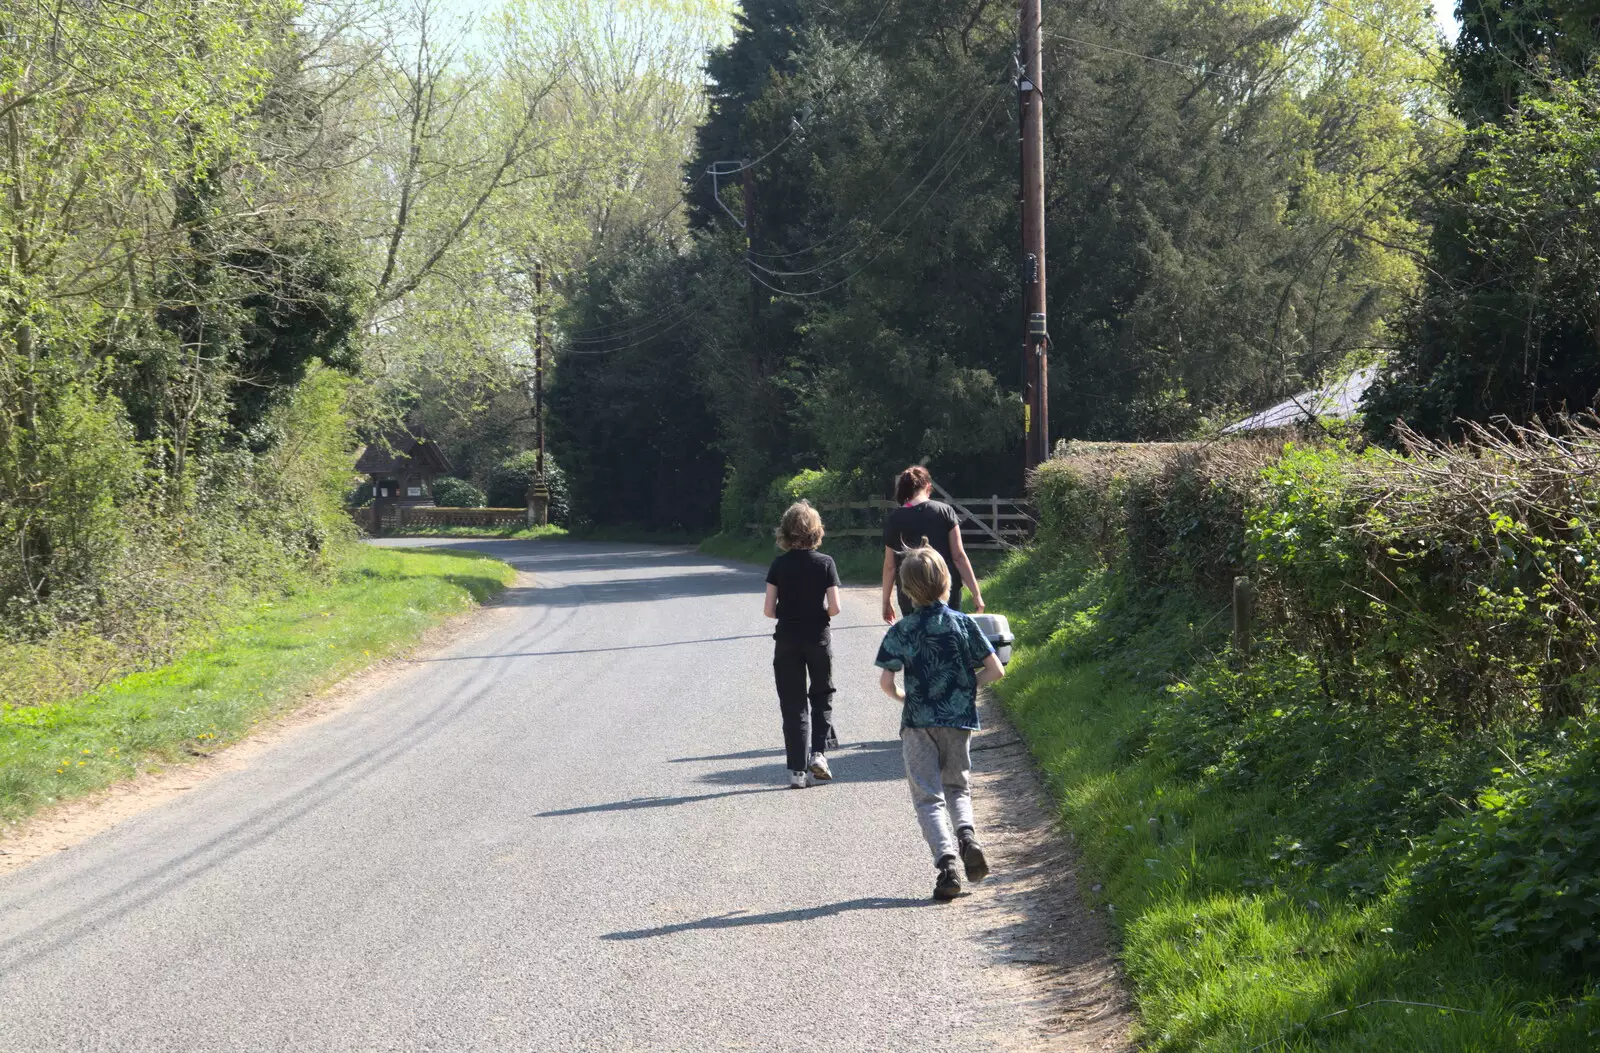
[(511, 479), (820, 486), (744, 506), (136, 573), (1427, 633), (450, 492), (1464, 579)]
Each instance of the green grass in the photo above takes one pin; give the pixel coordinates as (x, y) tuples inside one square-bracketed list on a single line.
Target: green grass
[(511, 531), (858, 563), (381, 600), (639, 535), (1226, 946)]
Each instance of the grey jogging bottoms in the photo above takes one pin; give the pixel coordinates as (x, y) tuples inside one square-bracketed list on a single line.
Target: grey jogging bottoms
[(939, 767)]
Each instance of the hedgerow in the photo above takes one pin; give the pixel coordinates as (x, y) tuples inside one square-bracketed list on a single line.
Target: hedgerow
[(1424, 663)]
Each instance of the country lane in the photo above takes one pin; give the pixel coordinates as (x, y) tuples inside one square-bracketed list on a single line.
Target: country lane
[(566, 830)]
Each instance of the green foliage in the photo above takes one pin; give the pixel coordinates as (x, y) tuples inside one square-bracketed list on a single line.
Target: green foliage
[(268, 655), (820, 486), (1524, 866), (1507, 48), (513, 477), (450, 492), (1508, 325)]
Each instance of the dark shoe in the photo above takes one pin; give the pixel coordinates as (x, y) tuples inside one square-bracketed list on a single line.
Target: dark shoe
[(973, 860), (948, 887)]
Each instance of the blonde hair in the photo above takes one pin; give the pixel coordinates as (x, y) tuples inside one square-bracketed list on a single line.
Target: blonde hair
[(801, 527), (923, 574)]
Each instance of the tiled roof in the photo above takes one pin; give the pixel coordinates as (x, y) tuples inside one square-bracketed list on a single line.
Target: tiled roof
[(398, 451)]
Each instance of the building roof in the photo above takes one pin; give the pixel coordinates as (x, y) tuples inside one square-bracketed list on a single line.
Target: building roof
[(401, 450), (1339, 400)]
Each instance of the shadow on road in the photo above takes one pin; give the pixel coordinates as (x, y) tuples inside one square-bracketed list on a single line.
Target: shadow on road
[(653, 802), (775, 751), (738, 919), (855, 762), (597, 650)]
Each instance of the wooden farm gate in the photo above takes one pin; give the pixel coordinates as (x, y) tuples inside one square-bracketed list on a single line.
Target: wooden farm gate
[(986, 522)]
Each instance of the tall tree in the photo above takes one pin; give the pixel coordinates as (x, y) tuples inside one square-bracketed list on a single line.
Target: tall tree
[(1496, 332)]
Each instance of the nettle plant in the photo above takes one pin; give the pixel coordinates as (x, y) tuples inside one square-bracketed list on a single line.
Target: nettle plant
[(1525, 866)]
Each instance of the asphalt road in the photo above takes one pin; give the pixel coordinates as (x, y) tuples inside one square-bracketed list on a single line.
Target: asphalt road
[(568, 831)]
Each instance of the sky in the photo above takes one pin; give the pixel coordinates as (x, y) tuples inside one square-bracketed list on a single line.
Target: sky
[(1444, 13)]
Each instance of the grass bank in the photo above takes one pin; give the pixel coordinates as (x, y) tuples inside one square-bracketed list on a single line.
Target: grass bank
[(380, 601), (1259, 861)]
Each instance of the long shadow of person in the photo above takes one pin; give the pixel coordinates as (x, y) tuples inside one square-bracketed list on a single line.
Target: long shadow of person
[(738, 919)]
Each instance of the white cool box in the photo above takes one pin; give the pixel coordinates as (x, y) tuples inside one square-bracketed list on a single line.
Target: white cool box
[(998, 630)]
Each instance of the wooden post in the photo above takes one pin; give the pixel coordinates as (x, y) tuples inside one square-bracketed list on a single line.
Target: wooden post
[(1244, 608), (994, 512), (1035, 338)]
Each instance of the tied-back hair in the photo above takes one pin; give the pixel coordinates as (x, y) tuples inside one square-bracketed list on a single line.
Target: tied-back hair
[(910, 483), (923, 574), (801, 527)]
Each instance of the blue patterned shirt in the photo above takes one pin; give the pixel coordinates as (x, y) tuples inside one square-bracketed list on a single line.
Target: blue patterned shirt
[(940, 651)]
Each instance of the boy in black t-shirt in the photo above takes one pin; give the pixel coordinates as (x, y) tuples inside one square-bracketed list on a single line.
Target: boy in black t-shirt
[(802, 594)]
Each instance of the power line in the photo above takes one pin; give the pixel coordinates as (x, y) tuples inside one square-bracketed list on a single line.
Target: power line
[(864, 242), (887, 244), (1186, 67), (888, 184), (795, 128)]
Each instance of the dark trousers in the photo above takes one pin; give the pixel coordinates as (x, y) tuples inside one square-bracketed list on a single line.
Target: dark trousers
[(807, 712)]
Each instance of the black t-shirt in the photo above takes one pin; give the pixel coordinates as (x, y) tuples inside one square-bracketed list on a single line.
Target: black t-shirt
[(803, 577), (909, 524)]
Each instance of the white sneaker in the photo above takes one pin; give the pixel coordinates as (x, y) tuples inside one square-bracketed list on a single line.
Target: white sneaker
[(798, 780), (819, 768)]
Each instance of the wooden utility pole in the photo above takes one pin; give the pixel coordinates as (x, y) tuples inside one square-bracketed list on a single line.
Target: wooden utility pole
[(1035, 339), (538, 496), (538, 372)]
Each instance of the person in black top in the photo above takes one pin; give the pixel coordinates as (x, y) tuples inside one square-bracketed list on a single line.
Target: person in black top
[(802, 594), (918, 518)]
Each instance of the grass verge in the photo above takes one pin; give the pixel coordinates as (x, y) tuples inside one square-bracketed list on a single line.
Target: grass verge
[(1231, 941), (509, 532), (381, 600)]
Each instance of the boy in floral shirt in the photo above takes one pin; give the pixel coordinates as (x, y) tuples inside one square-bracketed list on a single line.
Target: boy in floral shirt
[(944, 657)]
